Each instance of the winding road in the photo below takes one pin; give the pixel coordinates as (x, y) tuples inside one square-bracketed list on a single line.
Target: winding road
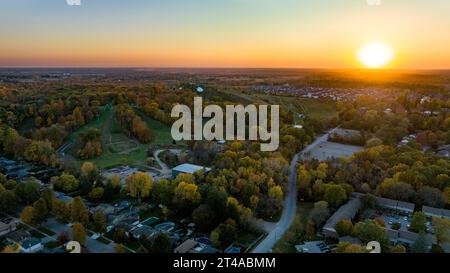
[(290, 203)]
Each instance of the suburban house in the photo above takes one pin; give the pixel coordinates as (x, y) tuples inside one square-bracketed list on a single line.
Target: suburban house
[(188, 168), (192, 246), (8, 225), (143, 231), (31, 245)]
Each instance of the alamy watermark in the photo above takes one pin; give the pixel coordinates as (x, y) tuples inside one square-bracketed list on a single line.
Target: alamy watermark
[(73, 2), (374, 2), (234, 120)]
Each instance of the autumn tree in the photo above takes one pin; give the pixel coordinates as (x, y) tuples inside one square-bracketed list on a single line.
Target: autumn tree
[(79, 233), (99, 221), (398, 249), (79, 213), (346, 247), (119, 248), (139, 185), (344, 227), (276, 192), (442, 230), (27, 215), (61, 210), (186, 196), (40, 151)]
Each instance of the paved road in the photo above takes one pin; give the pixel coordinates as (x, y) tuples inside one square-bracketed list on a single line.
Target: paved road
[(290, 203), (164, 168), (166, 172)]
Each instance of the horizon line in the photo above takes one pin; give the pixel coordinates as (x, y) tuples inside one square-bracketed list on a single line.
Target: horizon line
[(225, 67)]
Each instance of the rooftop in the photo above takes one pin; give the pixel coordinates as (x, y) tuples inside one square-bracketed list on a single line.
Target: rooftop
[(190, 168)]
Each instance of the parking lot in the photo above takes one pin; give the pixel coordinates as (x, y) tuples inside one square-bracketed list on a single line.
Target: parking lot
[(405, 221), (327, 150)]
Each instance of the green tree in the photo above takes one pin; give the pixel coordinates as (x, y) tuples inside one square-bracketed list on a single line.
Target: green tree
[(28, 191), (89, 176), (320, 213), (418, 222), (369, 231), (40, 211), (215, 238), (112, 188), (335, 195), (99, 221), (204, 217), (161, 244), (421, 244), (163, 191), (96, 194), (8, 201), (49, 196), (225, 233), (79, 213), (67, 183)]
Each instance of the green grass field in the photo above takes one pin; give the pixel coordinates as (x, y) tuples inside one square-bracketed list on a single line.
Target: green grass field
[(119, 149), (318, 109), (161, 132)]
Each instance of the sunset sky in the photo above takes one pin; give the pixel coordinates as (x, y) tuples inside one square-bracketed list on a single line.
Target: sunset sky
[(222, 33)]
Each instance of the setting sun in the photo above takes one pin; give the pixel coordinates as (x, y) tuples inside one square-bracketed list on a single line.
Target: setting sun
[(375, 55)]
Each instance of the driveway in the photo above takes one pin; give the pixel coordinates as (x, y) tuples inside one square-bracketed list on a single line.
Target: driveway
[(93, 245)]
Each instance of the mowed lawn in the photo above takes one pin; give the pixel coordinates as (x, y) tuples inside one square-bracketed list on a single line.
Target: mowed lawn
[(161, 132), (118, 148)]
